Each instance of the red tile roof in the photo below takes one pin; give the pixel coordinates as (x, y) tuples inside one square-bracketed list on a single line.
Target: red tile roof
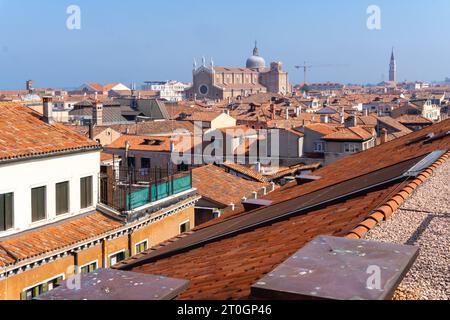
[(215, 184), (226, 267), (24, 134), (250, 173), (56, 237)]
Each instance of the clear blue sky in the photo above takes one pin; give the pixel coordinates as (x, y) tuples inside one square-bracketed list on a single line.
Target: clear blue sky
[(138, 40)]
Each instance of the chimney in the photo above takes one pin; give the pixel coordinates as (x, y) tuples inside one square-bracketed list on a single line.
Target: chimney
[(97, 113), (273, 111), (366, 112), (255, 195), (287, 113), (352, 122), (91, 130), (342, 116), (298, 111), (48, 109), (258, 167), (384, 136)]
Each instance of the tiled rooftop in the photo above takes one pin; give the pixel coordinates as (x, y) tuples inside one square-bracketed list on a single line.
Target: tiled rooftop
[(215, 184), (225, 267), (54, 237), (25, 135)]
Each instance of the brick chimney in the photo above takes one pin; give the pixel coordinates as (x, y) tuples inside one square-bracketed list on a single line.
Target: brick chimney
[(48, 109), (97, 113), (384, 136)]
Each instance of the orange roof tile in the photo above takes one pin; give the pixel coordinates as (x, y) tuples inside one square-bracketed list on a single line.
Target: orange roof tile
[(215, 184), (24, 134), (226, 267), (44, 240)]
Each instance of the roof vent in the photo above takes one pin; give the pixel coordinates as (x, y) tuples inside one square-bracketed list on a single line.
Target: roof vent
[(339, 269), (252, 204), (305, 178)]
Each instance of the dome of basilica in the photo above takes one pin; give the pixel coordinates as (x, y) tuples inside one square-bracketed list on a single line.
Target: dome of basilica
[(255, 61)]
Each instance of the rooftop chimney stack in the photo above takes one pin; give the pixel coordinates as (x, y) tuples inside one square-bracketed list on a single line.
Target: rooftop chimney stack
[(342, 116), (287, 113), (258, 167), (97, 113), (354, 121), (324, 118), (384, 136), (298, 111), (48, 109)]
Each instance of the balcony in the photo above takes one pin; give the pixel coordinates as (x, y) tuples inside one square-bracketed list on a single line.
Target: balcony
[(136, 193)]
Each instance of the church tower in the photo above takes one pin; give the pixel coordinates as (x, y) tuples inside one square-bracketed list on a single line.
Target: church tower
[(393, 68)]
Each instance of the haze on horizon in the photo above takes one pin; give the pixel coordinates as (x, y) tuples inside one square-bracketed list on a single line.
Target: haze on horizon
[(141, 40)]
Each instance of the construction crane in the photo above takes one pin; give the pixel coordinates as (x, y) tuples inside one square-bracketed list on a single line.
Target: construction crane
[(307, 67)]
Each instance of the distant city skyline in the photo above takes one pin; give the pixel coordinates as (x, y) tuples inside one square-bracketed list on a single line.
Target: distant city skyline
[(137, 40)]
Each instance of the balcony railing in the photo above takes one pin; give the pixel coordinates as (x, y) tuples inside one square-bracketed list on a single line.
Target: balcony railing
[(128, 190)]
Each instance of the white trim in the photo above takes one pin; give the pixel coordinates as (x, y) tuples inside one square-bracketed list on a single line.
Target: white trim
[(117, 252), (89, 263), (187, 221), (139, 243), (45, 281)]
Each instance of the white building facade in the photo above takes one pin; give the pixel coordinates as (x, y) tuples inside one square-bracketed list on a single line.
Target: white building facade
[(172, 91)]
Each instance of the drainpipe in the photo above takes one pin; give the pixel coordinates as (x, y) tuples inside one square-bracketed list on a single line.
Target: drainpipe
[(104, 264)]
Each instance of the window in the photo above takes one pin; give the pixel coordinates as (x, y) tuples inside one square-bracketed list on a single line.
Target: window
[(145, 163), (141, 247), (62, 198), (131, 162), (185, 227), (36, 291), (319, 147), (89, 268), (6, 211), (38, 203), (117, 257), (86, 192), (351, 148)]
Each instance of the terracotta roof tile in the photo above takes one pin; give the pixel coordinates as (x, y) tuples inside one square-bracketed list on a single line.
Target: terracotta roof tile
[(54, 237), (24, 134), (215, 184), (226, 268)]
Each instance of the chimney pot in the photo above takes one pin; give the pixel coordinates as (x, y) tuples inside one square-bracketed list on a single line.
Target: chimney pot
[(48, 109)]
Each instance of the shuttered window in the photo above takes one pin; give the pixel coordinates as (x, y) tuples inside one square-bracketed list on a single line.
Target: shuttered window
[(62, 198), (6, 211), (38, 203), (86, 192)]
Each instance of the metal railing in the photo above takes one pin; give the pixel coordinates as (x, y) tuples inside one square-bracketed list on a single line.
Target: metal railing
[(128, 189)]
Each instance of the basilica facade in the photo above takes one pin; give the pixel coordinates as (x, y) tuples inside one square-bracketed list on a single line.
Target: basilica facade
[(217, 83)]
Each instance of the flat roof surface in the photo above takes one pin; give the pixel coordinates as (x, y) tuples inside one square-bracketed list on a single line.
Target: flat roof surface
[(109, 284), (339, 269)]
